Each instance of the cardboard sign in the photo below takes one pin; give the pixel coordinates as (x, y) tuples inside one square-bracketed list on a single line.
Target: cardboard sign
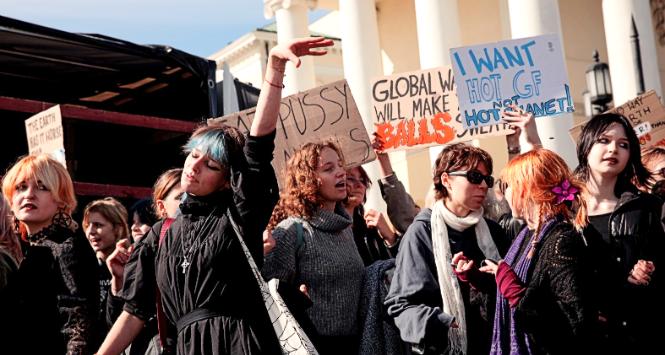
[(528, 72), (642, 110), (325, 112), (419, 109), (44, 133)]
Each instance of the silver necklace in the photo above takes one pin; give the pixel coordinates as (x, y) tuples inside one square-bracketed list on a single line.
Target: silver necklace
[(188, 252)]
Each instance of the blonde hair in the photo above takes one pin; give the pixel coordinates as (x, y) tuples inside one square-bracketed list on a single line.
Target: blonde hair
[(50, 173), (8, 240), (113, 211)]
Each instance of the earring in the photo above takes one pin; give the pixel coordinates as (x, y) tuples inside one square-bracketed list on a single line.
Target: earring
[(17, 225), (62, 219)]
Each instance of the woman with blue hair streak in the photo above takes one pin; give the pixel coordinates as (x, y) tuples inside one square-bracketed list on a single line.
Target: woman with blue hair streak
[(209, 296)]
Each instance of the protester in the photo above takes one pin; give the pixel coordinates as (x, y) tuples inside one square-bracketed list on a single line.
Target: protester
[(167, 194), (654, 160), (324, 258), (143, 336), (624, 234), (104, 223), (143, 218), (56, 284), (374, 237), (544, 300), (435, 312), (209, 295)]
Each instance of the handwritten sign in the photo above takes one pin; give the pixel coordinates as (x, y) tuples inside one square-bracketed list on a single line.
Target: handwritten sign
[(44, 133), (646, 114), (528, 72), (420, 109), (325, 112)]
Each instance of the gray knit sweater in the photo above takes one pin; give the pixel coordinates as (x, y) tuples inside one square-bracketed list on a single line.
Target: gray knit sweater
[(327, 262)]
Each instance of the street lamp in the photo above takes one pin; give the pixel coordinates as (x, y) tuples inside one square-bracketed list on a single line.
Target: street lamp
[(598, 83)]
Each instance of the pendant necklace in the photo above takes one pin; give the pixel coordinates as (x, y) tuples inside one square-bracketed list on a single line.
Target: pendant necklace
[(187, 252)]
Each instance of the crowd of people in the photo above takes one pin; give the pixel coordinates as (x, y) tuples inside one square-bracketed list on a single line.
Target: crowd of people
[(544, 260)]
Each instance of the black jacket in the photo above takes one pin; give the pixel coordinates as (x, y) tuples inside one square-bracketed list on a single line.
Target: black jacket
[(636, 233)]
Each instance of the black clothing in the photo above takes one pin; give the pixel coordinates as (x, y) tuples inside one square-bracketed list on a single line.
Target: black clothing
[(414, 300), (370, 244), (634, 232), (101, 327), (218, 278), (55, 295), (556, 310)]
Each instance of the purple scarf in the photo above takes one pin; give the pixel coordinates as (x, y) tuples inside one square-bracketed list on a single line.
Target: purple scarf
[(517, 342)]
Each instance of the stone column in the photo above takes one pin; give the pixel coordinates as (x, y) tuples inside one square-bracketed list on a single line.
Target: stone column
[(530, 18), (438, 31), (617, 18), (292, 22), (361, 57)]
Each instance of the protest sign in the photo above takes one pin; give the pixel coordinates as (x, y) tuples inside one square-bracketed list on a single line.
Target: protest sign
[(647, 115), (325, 112), (528, 72), (44, 133), (420, 109)]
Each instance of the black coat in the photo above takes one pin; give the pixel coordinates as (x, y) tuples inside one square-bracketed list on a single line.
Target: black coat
[(636, 233), (556, 311), (54, 296), (218, 282)]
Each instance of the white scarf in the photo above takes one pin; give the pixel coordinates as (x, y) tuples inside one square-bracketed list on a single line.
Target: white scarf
[(450, 290)]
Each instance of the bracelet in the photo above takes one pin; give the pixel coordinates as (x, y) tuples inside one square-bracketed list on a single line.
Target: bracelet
[(514, 150), (274, 85), (398, 237)]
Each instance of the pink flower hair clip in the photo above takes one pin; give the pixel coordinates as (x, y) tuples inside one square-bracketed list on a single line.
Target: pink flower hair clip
[(565, 192)]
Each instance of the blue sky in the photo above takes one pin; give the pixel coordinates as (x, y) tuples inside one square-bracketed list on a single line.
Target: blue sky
[(200, 27)]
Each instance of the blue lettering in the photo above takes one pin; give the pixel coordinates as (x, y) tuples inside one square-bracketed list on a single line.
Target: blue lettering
[(459, 64), (536, 78), (513, 58), (474, 94), (525, 47), (480, 62), (498, 58), (527, 92)]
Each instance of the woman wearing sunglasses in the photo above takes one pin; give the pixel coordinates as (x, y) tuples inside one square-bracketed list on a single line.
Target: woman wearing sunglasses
[(438, 307)]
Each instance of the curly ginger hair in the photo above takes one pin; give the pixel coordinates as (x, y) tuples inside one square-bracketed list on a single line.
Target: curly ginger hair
[(300, 196)]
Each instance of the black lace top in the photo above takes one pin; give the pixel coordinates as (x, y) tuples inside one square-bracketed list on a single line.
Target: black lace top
[(55, 295)]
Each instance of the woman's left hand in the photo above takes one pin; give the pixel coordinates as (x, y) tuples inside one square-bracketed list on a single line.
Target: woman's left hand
[(489, 266), (375, 219), (640, 275), (296, 48)]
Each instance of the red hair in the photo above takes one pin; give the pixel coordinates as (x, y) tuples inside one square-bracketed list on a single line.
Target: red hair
[(300, 195), (532, 176)]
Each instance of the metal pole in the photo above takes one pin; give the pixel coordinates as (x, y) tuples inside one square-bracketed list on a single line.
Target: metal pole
[(637, 56)]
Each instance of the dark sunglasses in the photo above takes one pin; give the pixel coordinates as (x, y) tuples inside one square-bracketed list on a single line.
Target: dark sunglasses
[(475, 177)]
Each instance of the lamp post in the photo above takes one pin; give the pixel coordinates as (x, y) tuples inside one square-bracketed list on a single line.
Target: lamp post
[(599, 85)]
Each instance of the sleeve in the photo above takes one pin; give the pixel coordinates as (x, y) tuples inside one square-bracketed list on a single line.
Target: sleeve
[(400, 205), (281, 262), (414, 299), (140, 284), (564, 276), (255, 191), (114, 306), (79, 297), (7, 268)]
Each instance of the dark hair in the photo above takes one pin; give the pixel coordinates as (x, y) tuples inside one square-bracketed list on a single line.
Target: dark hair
[(634, 171), (455, 157), (143, 209)]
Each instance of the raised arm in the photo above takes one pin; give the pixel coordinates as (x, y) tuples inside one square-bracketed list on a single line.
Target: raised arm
[(526, 136), (267, 109)]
